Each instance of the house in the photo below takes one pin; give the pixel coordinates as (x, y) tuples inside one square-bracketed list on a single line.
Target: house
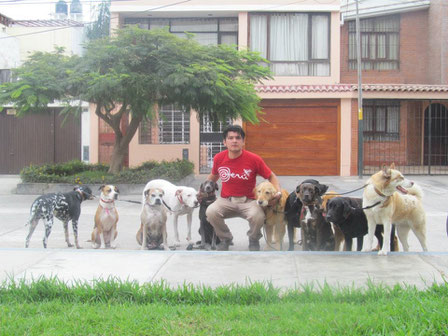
[(310, 123), (55, 141)]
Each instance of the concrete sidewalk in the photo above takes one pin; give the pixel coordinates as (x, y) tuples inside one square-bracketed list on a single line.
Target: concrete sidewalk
[(283, 269)]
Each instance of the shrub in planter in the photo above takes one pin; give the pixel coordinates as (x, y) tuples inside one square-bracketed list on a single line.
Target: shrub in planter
[(78, 172)]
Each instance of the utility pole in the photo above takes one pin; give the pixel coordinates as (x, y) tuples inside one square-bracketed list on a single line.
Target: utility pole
[(360, 114)]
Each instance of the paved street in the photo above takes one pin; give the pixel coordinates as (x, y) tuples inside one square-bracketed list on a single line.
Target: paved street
[(284, 269)]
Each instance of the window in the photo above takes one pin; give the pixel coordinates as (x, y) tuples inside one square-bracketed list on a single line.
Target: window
[(381, 120), (380, 43), (173, 127), (296, 44), (207, 31)]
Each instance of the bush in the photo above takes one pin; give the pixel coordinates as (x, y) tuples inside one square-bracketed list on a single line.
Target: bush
[(78, 172)]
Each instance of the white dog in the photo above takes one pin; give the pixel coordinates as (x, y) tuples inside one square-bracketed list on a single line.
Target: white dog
[(179, 200), (394, 199)]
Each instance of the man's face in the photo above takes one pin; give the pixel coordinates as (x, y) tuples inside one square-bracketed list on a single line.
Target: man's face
[(234, 142)]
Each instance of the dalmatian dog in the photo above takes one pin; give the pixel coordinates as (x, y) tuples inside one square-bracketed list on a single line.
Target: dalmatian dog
[(64, 206)]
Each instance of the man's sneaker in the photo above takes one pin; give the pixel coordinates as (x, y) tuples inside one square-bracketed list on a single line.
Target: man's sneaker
[(254, 245), (224, 245)]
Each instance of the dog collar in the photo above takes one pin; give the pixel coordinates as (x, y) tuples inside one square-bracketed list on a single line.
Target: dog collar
[(379, 192), (109, 201)]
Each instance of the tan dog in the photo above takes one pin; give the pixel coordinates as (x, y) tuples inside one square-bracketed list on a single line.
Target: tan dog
[(394, 199), (274, 210), (106, 218), (152, 230)]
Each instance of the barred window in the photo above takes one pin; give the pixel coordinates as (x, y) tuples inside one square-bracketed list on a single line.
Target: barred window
[(173, 127), (381, 120), (380, 43), (5, 75)]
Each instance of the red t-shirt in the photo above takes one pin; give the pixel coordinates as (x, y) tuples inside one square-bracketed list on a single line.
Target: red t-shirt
[(238, 176)]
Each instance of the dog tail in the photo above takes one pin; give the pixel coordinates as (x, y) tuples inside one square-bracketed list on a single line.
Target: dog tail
[(416, 191)]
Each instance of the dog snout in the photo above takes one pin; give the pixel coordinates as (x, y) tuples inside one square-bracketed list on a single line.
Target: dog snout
[(158, 201)]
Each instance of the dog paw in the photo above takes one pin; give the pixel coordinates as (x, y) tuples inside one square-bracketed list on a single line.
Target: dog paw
[(78, 247), (382, 253)]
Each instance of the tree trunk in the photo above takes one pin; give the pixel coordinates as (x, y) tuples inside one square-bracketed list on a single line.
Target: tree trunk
[(121, 145), (118, 156)]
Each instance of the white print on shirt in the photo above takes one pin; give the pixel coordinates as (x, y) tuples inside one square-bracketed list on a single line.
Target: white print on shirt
[(225, 174)]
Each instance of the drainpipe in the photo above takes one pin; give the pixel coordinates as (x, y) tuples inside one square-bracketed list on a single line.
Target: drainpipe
[(360, 116)]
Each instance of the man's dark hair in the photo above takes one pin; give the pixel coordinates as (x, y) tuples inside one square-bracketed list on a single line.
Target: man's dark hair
[(233, 128)]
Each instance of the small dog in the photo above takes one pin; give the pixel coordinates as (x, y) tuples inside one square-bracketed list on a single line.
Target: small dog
[(179, 200), (106, 217), (293, 209), (206, 196), (274, 210), (152, 232), (317, 234), (394, 199), (64, 206)]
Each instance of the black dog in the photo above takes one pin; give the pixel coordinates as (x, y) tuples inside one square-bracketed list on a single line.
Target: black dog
[(64, 206), (206, 196), (293, 209), (347, 213)]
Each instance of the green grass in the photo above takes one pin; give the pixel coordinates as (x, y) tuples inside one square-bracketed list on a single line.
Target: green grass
[(113, 307)]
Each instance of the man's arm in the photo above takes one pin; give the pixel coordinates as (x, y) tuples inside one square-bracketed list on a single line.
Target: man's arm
[(274, 180), (213, 177)]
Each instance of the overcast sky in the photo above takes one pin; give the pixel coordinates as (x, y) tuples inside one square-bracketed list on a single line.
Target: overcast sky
[(40, 9)]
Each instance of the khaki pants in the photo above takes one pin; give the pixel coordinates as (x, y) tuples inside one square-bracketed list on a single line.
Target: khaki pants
[(232, 207)]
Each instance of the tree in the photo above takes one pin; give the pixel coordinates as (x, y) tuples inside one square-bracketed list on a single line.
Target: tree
[(136, 69), (101, 26)]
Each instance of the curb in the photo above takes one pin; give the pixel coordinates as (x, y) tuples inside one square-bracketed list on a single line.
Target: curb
[(125, 189)]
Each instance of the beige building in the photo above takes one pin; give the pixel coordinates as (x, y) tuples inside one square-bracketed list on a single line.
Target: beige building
[(311, 114)]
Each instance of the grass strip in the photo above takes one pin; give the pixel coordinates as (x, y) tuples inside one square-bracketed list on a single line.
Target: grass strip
[(114, 307)]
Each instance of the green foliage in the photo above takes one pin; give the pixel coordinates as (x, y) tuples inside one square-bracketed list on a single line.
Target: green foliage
[(115, 307), (78, 172), (101, 26)]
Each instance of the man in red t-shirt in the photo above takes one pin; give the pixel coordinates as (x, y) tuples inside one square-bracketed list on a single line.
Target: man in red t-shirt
[(238, 168)]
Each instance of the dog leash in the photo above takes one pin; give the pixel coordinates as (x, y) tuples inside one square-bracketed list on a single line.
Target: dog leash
[(348, 192)]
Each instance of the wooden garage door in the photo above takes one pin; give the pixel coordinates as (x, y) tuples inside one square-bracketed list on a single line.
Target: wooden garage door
[(297, 137)]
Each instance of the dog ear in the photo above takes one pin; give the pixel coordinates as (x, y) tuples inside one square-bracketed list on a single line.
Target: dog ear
[(178, 192), (216, 186), (321, 189), (146, 193), (201, 187), (392, 166), (116, 190), (101, 188), (347, 210)]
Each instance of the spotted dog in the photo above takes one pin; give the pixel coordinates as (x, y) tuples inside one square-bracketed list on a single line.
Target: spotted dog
[(64, 206)]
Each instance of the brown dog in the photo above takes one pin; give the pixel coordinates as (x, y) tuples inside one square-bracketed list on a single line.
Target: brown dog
[(106, 217), (152, 232), (317, 234), (274, 210)]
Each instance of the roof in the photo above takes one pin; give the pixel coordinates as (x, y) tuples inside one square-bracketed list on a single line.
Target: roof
[(48, 23), (370, 8), (351, 88), (5, 21)]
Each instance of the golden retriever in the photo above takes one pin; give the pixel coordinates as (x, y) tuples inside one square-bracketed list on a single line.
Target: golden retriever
[(275, 213), (398, 201)]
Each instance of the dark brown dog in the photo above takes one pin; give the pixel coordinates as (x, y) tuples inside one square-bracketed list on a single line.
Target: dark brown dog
[(206, 196), (293, 209), (317, 234)]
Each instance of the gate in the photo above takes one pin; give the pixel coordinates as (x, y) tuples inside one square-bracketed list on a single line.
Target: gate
[(210, 142), (37, 139), (417, 142)]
